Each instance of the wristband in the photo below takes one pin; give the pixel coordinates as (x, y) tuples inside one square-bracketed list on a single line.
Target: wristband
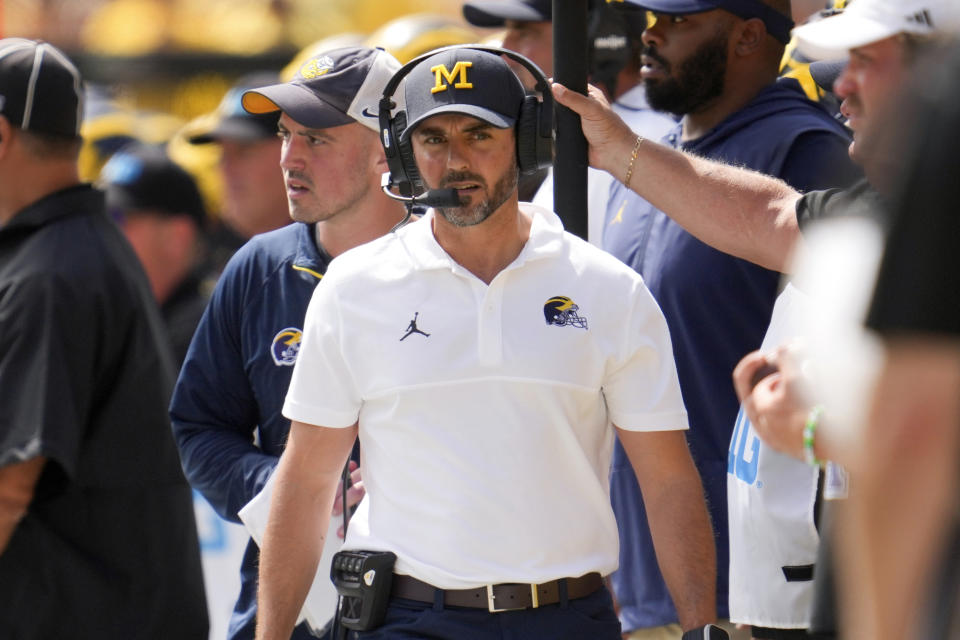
[(633, 159), (707, 632), (809, 434)]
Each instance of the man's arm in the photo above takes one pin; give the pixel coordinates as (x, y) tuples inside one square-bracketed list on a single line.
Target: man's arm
[(679, 522), (216, 408), (737, 211), (17, 482), (303, 496), (904, 490)]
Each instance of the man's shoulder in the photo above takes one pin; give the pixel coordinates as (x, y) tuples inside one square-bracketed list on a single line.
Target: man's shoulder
[(581, 257), (265, 252), (785, 101), (860, 199), (582, 253), (389, 254), (77, 248), (780, 107), (276, 244)]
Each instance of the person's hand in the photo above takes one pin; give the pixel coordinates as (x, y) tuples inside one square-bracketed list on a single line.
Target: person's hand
[(354, 494), (610, 139), (770, 387)]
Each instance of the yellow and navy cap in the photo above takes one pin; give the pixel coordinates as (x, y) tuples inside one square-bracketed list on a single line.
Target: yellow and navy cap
[(333, 88), (465, 81)]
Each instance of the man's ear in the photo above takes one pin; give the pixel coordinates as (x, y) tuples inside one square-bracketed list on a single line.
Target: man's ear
[(750, 37)]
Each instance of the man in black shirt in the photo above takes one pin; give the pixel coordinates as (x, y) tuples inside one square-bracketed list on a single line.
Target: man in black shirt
[(904, 527), (97, 534)]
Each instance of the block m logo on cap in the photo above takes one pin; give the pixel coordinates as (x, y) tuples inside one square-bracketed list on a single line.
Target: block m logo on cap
[(441, 73)]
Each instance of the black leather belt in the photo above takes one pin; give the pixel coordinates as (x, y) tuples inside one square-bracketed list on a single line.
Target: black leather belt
[(498, 597)]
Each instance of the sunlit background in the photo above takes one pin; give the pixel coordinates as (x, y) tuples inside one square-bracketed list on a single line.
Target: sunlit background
[(177, 56)]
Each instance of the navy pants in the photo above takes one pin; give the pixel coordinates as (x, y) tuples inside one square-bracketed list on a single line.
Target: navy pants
[(588, 618)]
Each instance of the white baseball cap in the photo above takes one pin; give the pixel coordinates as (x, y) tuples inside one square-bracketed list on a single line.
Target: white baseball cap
[(867, 21)]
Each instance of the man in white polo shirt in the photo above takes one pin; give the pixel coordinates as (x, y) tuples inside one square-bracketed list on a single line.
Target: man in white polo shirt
[(484, 354)]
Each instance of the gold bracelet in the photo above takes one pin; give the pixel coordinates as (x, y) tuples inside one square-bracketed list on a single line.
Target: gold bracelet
[(633, 159)]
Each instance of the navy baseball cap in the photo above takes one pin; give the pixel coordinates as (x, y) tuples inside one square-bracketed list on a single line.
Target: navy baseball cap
[(40, 89), (495, 13), (330, 89), (465, 81), (142, 177), (778, 24), (232, 122), (826, 72)]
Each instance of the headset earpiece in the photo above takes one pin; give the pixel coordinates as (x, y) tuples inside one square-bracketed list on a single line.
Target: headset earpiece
[(533, 152), (405, 154)]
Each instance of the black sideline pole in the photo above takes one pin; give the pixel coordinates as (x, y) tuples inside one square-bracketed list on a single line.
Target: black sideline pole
[(570, 159)]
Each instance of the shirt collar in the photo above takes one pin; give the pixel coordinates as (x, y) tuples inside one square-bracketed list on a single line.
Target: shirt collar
[(310, 256), (546, 239), (73, 200)]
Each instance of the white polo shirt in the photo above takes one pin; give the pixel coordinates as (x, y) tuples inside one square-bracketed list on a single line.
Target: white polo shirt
[(485, 434)]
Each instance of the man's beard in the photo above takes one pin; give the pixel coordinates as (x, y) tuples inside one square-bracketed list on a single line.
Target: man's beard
[(477, 212), (697, 81)]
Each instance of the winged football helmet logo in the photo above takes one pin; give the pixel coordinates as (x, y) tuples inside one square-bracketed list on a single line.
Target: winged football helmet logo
[(285, 346), (562, 311)]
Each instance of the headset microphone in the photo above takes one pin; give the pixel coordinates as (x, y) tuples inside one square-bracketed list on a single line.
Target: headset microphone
[(429, 198), (440, 198)]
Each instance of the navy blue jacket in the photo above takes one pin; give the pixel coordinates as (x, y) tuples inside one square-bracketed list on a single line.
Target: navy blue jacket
[(717, 308), (227, 401)]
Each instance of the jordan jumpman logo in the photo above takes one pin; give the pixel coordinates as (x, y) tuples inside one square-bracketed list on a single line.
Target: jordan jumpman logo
[(412, 328)]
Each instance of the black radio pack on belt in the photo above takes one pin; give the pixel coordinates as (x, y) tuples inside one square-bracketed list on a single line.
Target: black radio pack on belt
[(363, 580)]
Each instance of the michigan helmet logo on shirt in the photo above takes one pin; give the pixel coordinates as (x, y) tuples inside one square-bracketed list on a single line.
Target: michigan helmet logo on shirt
[(562, 311), (457, 76), (286, 346)]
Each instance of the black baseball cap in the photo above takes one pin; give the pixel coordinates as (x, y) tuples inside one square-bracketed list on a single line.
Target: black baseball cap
[(467, 81), (495, 13), (142, 177), (40, 89), (826, 72), (330, 89), (778, 24), (232, 122)]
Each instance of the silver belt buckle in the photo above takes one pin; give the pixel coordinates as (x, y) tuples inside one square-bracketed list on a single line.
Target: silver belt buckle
[(492, 600)]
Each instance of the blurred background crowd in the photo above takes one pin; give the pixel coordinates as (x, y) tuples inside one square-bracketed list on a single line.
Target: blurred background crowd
[(153, 66)]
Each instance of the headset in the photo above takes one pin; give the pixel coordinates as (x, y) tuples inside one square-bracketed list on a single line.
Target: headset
[(613, 36), (534, 133)]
